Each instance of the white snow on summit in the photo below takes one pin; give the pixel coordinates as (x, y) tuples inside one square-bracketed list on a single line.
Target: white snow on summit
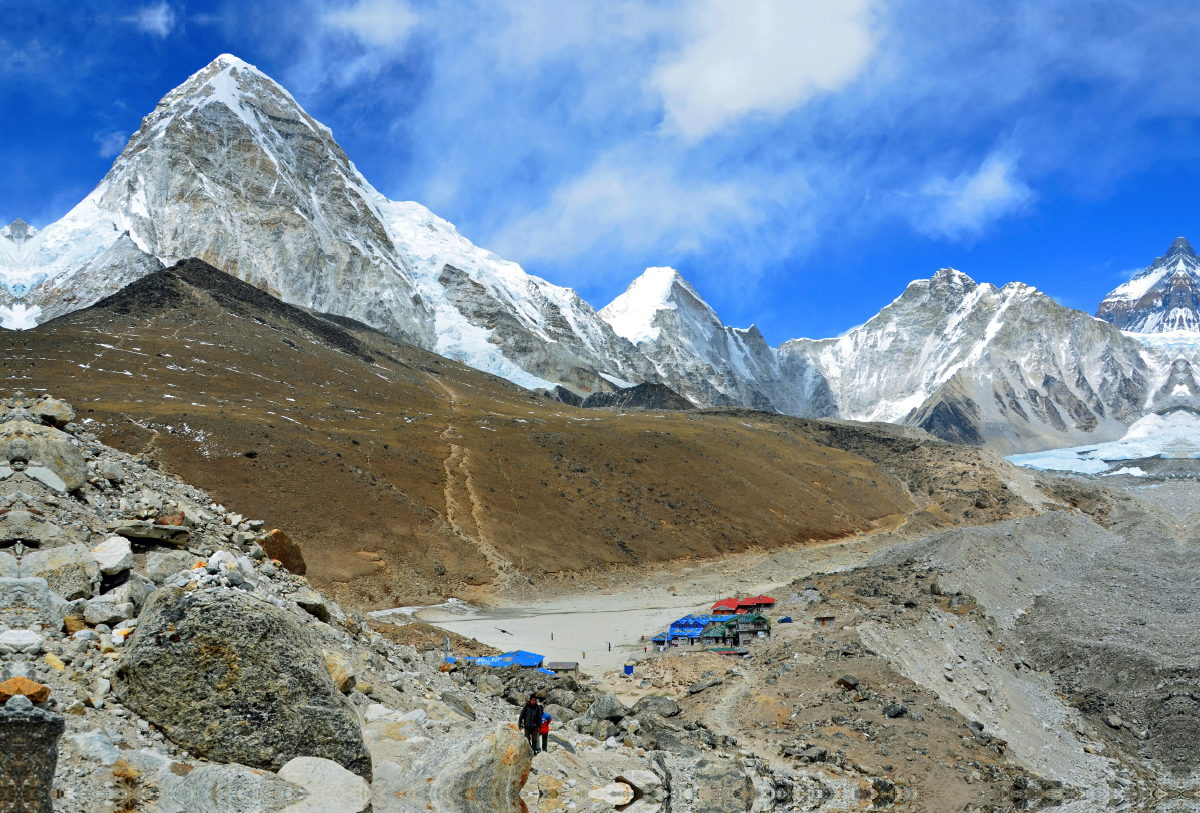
[(632, 313)]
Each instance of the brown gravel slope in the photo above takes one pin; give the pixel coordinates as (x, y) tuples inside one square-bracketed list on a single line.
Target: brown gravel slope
[(405, 476)]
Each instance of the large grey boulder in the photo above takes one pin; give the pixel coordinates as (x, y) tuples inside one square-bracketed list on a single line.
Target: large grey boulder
[(29, 755), (458, 775), (26, 603), (656, 704), (39, 452), (226, 788), (54, 412), (9, 568), (71, 571), (607, 707), (234, 679)]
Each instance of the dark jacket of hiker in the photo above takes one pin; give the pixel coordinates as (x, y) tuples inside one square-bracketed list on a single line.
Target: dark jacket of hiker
[(531, 717)]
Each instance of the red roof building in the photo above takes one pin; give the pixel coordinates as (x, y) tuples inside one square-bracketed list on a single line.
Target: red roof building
[(731, 606)]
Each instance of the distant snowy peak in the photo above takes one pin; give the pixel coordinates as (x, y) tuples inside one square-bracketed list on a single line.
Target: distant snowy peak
[(1163, 298), (632, 314), (705, 360)]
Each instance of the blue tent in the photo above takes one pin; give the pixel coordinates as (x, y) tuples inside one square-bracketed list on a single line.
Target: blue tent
[(520, 658)]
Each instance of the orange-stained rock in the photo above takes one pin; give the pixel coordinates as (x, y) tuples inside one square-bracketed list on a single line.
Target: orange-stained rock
[(280, 546), (74, 623), (170, 519), (36, 692)]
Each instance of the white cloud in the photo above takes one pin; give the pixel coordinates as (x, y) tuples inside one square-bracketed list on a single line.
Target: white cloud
[(111, 143), (762, 57), (158, 20), (967, 204), (376, 23), (627, 207)]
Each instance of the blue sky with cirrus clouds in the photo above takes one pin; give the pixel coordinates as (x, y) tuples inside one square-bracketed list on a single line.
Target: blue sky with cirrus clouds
[(798, 161)]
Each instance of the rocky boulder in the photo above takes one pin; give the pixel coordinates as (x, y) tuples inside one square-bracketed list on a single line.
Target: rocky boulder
[(54, 412), (656, 704), (450, 774), (26, 603), (607, 707), (29, 755), (235, 679), (41, 452), (71, 571), (280, 547)]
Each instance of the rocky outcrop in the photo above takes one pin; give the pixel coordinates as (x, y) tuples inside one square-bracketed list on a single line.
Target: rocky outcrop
[(643, 396), (233, 678)]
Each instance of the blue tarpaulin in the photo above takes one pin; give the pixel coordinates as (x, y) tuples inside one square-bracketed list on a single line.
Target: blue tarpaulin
[(520, 658)]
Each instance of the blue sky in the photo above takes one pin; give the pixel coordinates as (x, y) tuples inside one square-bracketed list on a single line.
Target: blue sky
[(798, 161)]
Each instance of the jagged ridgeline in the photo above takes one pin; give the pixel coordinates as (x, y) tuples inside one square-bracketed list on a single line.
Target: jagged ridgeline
[(230, 169), (405, 477)]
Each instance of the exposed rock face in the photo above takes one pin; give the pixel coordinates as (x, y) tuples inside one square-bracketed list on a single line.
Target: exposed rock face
[(228, 168), (235, 679), (1163, 298), (1007, 367), (643, 396), (710, 363)]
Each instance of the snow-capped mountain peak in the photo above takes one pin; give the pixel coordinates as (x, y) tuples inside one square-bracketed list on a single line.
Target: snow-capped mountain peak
[(229, 168), (632, 314), (1165, 297)]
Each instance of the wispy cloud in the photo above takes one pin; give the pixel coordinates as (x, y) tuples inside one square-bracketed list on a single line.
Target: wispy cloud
[(967, 204), (111, 143), (632, 209), (376, 23), (760, 57), (157, 20)]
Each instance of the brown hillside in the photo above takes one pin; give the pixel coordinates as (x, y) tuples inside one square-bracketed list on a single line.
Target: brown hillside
[(405, 476)]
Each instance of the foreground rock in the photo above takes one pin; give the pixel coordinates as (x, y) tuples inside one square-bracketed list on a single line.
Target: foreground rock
[(235, 679), (450, 775), (28, 755)]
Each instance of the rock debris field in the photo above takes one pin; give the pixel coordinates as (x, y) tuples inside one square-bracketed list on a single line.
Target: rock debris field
[(179, 656)]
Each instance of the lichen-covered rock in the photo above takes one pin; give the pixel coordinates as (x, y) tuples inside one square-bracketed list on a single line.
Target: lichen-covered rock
[(235, 679), (70, 571)]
